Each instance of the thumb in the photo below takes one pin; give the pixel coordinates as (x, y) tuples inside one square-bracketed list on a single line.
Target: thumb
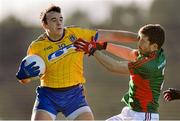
[(23, 63), (92, 38)]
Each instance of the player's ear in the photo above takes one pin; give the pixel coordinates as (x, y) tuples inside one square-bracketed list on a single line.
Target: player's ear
[(154, 47), (44, 25)]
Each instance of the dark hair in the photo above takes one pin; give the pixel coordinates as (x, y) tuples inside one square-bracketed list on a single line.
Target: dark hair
[(155, 34), (51, 8)]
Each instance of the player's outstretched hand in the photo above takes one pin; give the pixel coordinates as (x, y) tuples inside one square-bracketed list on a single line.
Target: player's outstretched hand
[(171, 94), (89, 47), (28, 71)]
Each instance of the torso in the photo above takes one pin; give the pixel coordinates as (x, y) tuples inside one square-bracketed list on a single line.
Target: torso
[(64, 65), (146, 79)]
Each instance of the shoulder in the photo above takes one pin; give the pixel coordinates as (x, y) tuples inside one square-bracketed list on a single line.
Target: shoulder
[(41, 38), (142, 60), (80, 32), (74, 27), (38, 42), (161, 53)]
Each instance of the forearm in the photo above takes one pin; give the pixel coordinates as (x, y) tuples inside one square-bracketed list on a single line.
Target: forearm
[(111, 64), (117, 36), (25, 81), (122, 51), (28, 80)]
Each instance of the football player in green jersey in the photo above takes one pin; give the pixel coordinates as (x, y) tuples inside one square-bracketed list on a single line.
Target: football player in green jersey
[(145, 65), (171, 94)]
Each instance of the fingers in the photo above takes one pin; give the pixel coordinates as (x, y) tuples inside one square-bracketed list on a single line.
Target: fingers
[(31, 65), (81, 41), (34, 68), (166, 91), (23, 63), (36, 73), (167, 96), (81, 45), (92, 38)]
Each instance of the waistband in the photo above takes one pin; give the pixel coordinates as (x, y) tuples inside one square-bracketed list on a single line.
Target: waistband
[(125, 109), (62, 89)]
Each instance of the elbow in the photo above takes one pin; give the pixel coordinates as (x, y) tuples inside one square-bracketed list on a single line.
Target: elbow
[(114, 69), (108, 66), (111, 69)]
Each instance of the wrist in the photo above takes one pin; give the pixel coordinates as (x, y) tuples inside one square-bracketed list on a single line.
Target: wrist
[(21, 76), (175, 93), (101, 45), (105, 45), (25, 81), (18, 76)]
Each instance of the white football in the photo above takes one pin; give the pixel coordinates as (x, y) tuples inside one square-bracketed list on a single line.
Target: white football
[(39, 62)]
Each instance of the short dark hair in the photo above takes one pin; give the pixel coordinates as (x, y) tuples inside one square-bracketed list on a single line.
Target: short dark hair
[(44, 12), (155, 34)]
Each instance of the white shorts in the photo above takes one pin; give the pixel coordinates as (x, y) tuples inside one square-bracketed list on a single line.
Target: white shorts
[(130, 115)]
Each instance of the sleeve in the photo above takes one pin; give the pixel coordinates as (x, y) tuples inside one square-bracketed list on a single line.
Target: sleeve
[(32, 49)]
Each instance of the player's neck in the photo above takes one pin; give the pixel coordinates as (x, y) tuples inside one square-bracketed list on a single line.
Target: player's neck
[(53, 37)]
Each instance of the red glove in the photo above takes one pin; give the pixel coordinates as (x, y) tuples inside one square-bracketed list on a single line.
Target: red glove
[(89, 47)]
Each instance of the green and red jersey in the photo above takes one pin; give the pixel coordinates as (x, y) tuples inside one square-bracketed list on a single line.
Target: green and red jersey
[(146, 79)]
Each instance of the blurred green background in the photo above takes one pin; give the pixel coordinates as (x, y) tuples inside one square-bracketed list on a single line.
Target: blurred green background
[(104, 89)]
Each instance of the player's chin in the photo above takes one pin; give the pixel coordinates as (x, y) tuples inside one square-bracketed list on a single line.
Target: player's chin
[(59, 32)]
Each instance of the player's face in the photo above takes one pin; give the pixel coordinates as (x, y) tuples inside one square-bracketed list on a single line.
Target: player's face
[(54, 24), (144, 45)]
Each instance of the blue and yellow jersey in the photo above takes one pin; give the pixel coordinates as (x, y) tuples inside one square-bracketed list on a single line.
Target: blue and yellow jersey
[(64, 65)]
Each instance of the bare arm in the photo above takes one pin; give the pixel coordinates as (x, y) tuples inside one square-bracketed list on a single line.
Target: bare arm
[(120, 67), (25, 81), (121, 51), (117, 36), (28, 80)]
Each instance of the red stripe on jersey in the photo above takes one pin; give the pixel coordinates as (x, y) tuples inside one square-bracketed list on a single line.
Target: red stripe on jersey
[(143, 91)]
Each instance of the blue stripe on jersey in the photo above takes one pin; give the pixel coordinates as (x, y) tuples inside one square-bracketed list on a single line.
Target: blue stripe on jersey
[(60, 52)]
